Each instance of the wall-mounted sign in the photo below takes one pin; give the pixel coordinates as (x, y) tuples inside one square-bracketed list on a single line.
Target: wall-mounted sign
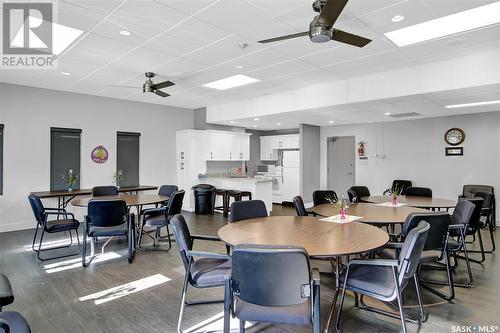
[(99, 154), (454, 151)]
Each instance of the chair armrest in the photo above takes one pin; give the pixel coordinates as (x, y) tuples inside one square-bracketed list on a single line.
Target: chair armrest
[(375, 262), (4, 325), (207, 255), (386, 191), (205, 237), (391, 245), (154, 210), (315, 276), (456, 226), (61, 213), (56, 209)]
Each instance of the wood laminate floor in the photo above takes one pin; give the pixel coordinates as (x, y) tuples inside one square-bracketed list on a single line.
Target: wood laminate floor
[(61, 296)]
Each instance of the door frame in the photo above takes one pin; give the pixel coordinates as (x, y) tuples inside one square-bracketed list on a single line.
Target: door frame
[(330, 140)]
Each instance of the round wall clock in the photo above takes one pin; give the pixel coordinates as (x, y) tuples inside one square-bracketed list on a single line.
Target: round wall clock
[(454, 136)]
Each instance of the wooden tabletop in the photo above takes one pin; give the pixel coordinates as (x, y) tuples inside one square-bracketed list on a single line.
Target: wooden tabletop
[(130, 199), (371, 213), (319, 238), (79, 192), (420, 202)]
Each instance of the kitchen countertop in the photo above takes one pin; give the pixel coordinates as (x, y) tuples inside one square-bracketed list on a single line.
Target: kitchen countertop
[(237, 179)]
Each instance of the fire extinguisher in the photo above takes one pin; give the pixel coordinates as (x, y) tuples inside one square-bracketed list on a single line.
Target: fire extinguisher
[(361, 149)]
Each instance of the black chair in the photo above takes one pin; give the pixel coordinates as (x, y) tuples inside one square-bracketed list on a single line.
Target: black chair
[(486, 221), (361, 191), (160, 217), (10, 321), (108, 218), (273, 284), (67, 223), (324, 196), (208, 271), (353, 196), (248, 209), (399, 184), (474, 226), (101, 191), (385, 279), (418, 192), (300, 208)]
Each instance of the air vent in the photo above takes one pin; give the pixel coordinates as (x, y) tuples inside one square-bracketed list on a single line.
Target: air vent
[(404, 115)]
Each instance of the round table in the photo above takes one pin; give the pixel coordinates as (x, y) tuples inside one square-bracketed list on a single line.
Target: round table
[(371, 213), (419, 202), (136, 200), (319, 238)]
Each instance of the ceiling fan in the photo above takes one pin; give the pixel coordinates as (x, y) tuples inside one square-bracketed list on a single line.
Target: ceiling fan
[(149, 86), (321, 28)]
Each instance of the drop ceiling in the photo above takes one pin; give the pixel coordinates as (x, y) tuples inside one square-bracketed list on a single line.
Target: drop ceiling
[(193, 42)]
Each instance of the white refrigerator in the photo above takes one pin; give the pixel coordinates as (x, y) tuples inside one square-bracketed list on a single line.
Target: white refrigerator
[(290, 186)]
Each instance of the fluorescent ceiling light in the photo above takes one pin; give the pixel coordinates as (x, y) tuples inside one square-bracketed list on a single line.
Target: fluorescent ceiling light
[(65, 73), (231, 122), (447, 25), (330, 122), (279, 124), (397, 18), (125, 33), (387, 114), (472, 104), (231, 82), (255, 119)]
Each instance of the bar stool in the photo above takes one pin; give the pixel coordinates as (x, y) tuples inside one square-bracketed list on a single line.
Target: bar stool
[(223, 193), (245, 194)]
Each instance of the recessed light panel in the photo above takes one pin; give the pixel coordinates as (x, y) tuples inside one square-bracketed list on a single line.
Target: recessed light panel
[(231, 82), (447, 25), (455, 106)]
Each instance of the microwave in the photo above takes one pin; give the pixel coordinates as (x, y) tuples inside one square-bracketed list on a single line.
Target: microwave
[(266, 169)]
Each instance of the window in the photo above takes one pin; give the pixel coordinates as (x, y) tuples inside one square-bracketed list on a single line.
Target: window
[(64, 155), (127, 158), (1, 159)]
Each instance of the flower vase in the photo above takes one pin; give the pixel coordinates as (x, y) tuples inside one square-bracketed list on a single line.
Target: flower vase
[(70, 189), (342, 213), (394, 201)]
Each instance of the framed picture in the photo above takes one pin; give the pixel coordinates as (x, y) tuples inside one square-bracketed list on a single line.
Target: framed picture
[(454, 151)]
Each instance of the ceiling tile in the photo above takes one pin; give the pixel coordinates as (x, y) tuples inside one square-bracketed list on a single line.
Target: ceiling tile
[(213, 54), (171, 44), (199, 32), (281, 69), (77, 17), (98, 6), (143, 60), (189, 7), (179, 68)]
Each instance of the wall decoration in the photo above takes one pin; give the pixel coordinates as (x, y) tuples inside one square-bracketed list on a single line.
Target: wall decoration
[(454, 136), (454, 151), (99, 154)]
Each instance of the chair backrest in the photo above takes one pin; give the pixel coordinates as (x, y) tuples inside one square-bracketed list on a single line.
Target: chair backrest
[(271, 275), (475, 221), (175, 203), (419, 191), (470, 190), (463, 212), (401, 185), (438, 232), (361, 191), (300, 208), (323, 196), (100, 191), (107, 213), (248, 209), (409, 257), (353, 196), (37, 207), (167, 190), (487, 199), (182, 237)]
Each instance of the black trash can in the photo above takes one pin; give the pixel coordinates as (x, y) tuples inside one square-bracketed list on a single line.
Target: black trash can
[(203, 199)]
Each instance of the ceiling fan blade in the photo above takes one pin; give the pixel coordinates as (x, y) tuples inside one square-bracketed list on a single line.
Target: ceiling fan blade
[(345, 37), (331, 12), (116, 86), (275, 39), (162, 85), (161, 93)]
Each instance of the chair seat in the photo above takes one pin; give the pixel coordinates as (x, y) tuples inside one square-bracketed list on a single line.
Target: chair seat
[(120, 230), (430, 256), (210, 271), (16, 321), (156, 221), (62, 225), (299, 314), (377, 280), (6, 295), (453, 245)]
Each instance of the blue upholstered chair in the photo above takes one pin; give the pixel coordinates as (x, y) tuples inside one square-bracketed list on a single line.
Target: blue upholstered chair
[(272, 284), (10, 321), (101, 191), (248, 209), (108, 218)]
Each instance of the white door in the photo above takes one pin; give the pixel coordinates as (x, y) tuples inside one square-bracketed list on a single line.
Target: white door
[(341, 160)]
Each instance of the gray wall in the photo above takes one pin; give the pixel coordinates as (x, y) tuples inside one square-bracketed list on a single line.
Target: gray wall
[(309, 160), (200, 123)]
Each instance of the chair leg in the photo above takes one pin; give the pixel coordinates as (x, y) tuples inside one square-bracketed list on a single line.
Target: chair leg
[(419, 298), (400, 302), (40, 250), (227, 306), (339, 312), (183, 303), (242, 326), (34, 237), (84, 250), (451, 287), (481, 247)]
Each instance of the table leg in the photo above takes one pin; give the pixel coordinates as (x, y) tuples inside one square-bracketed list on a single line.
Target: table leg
[(336, 295)]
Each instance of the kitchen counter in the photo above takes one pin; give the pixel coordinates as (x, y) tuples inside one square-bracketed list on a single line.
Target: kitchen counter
[(261, 188)]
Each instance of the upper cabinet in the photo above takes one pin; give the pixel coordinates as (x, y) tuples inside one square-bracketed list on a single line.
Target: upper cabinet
[(226, 146), (269, 145)]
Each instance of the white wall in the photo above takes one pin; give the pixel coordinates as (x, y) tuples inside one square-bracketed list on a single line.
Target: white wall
[(28, 113), (414, 150)]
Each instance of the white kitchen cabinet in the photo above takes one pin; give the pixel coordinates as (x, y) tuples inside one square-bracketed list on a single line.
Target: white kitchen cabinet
[(269, 145), (291, 141)]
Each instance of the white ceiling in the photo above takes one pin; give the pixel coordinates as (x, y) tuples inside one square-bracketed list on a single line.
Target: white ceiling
[(192, 42), (427, 105)]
